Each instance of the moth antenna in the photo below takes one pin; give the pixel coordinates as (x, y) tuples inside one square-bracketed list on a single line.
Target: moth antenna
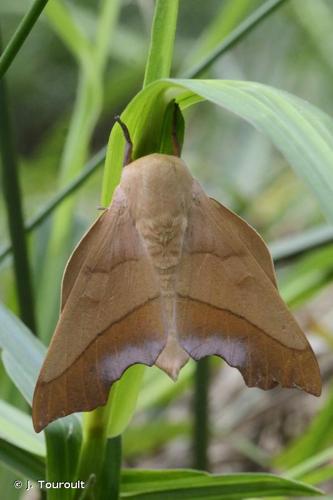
[(129, 145), (101, 208), (175, 143)]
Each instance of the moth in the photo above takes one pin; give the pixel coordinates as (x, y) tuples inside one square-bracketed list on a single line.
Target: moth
[(166, 274)]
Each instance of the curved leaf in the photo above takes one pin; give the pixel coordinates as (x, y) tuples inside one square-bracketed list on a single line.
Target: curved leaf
[(16, 428), (22, 352), (23, 355), (174, 484), (302, 132), (22, 462)]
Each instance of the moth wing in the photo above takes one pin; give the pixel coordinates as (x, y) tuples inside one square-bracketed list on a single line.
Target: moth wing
[(228, 304), (79, 255), (110, 320), (250, 238)]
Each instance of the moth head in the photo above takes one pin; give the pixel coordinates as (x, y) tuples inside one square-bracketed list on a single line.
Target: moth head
[(155, 183)]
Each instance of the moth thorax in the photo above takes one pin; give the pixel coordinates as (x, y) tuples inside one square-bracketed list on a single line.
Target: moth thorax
[(163, 237)]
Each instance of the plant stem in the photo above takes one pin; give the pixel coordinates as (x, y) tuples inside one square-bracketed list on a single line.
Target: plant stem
[(162, 41), (94, 443), (100, 459), (12, 196), (20, 35), (111, 471), (201, 415), (235, 36)]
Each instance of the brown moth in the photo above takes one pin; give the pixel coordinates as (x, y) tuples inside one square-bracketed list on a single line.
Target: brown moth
[(164, 274)]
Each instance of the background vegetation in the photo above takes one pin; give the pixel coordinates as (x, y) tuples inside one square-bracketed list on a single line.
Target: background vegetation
[(82, 63)]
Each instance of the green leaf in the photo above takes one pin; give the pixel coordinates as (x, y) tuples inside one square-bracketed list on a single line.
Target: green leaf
[(22, 462), (162, 40), (302, 132), (311, 465), (144, 118), (173, 123), (63, 441), (108, 483), (23, 356), (121, 408), (307, 276), (309, 239), (16, 428), (157, 389), (320, 475), (22, 353), (174, 484)]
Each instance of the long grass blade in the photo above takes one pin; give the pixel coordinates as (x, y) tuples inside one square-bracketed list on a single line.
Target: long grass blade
[(20, 35)]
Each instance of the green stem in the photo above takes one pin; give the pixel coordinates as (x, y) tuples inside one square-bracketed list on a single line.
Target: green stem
[(12, 196), (94, 443), (20, 35), (243, 29), (100, 459), (162, 41), (109, 484), (201, 415)]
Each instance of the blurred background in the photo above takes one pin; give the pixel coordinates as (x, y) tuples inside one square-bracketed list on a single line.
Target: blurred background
[(58, 123)]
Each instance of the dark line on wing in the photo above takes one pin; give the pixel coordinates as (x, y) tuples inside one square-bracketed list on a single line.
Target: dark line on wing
[(102, 332), (222, 258), (107, 271), (240, 317), (44, 390), (88, 272)]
